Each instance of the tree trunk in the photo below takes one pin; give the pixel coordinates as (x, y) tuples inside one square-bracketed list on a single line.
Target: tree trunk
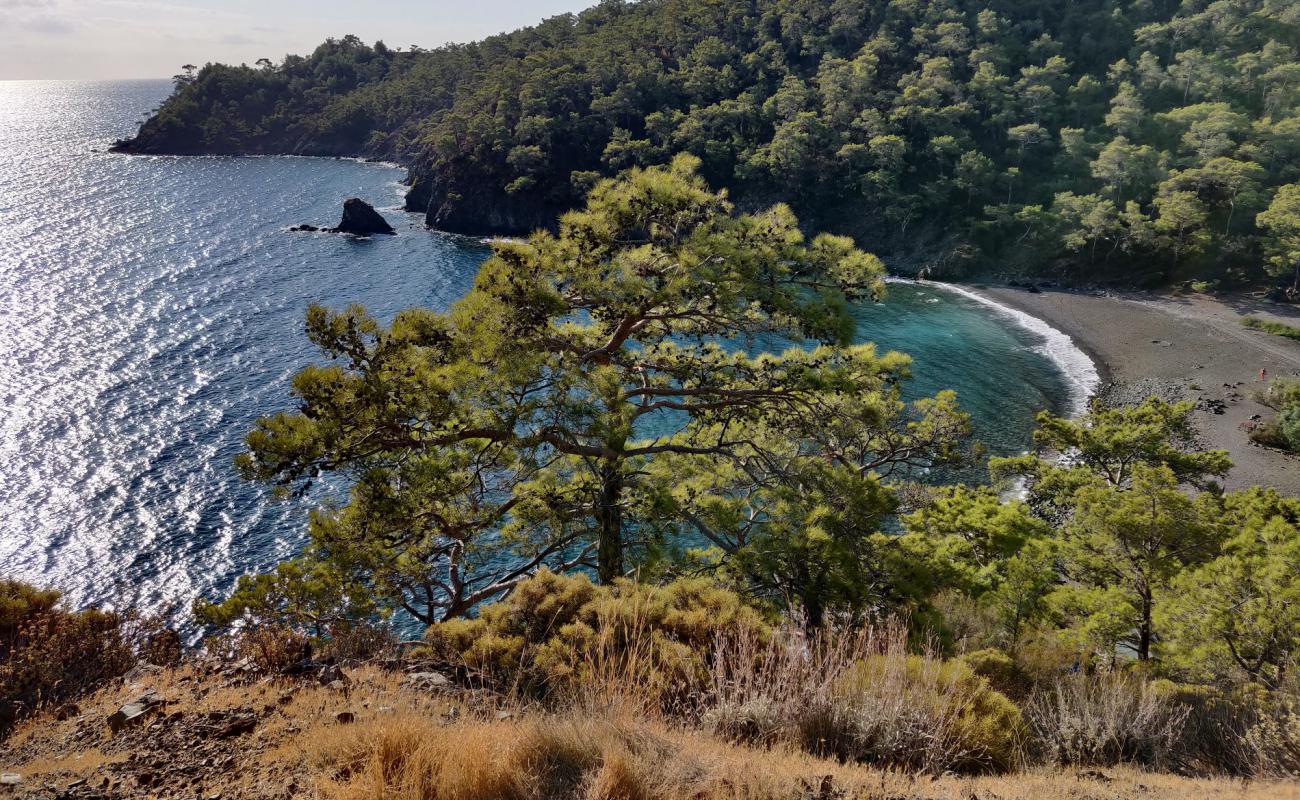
[(1144, 633), (609, 525), (814, 612)]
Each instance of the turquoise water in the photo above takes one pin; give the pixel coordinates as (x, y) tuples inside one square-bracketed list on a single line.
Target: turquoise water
[(153, 308)]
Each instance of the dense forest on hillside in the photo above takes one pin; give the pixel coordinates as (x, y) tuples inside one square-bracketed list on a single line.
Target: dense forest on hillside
[(1082, 139)]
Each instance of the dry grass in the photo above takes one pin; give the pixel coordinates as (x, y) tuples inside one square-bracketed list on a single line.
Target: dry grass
[(595, 758), (863, 696), (406, 745)]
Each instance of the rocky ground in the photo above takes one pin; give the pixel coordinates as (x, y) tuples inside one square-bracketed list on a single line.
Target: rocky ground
[(206, 730), (212, 731)]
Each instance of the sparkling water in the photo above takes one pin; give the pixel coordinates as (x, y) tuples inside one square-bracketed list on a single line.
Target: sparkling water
[(152, 308)]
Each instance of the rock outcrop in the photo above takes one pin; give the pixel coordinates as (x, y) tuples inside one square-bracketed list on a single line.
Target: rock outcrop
[(361, 219)]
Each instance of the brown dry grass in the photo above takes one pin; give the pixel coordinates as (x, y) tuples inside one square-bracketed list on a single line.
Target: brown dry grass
[(407, 745), (617, 757)]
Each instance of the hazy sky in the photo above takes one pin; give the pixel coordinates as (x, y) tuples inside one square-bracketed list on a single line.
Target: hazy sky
[(152, 38)]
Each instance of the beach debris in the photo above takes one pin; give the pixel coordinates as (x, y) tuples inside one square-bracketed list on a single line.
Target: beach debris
[(1213, 406)]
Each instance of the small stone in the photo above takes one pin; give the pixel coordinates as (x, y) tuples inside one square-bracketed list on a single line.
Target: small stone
[(238, 726), (134, 712), (10, 779), (502, 716), (141, 671), (428, 681), (68, 711)]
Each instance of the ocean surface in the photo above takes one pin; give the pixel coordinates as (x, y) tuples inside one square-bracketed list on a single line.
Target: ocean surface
[(151, 309)]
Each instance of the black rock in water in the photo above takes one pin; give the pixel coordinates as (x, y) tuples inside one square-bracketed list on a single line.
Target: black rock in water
[(361, 219)]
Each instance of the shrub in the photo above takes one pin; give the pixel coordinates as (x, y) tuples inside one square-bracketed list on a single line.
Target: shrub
[(358, 641), (1001, 671), (1274, 738), (923, 713), (555, 636), (270, 648), (49, 654), (1104, 720), (1283, 431), (1213, 739), (860, 696)]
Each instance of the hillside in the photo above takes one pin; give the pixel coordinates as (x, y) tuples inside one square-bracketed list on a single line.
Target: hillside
[(221, 738), (1083, 139)]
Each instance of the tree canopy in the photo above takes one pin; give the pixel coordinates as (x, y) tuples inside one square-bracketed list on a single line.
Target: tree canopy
[(1081, 138), (590, 402)]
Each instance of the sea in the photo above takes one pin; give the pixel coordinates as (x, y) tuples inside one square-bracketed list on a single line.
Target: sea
[(151, 309)]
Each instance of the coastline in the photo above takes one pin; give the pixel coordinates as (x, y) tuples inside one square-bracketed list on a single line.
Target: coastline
[(1179, 348), (1083, 369)]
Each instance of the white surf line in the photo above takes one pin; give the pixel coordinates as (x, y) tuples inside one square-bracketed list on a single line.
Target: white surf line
[(1077, 366)]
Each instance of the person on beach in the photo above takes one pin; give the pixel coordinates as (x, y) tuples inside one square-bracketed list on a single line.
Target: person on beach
[(1263, 374)]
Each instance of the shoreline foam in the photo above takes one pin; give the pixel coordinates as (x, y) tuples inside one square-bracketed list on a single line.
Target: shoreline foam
[(1082, 373)]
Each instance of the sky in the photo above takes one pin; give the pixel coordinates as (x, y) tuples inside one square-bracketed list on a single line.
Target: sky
[(89, 39)]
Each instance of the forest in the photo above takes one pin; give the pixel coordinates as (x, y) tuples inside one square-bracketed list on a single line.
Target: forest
[(1081, 140)]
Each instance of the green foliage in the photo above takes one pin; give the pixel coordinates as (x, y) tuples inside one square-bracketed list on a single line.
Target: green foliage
[(300, 594), (1125, 528), (1122, 548), (1281, 226), (965, 536), (49, 654), (1001, 671), (1144, 141), (1239, 614), (577, 408), (1283, 431), (1275, 328), (1109, 444), (981, 728), (558, 636)]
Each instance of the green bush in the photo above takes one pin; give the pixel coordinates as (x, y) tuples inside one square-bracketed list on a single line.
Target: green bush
[(922, 713), (1283, 431), (556, 635), (1002, 672), (49, 654)]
